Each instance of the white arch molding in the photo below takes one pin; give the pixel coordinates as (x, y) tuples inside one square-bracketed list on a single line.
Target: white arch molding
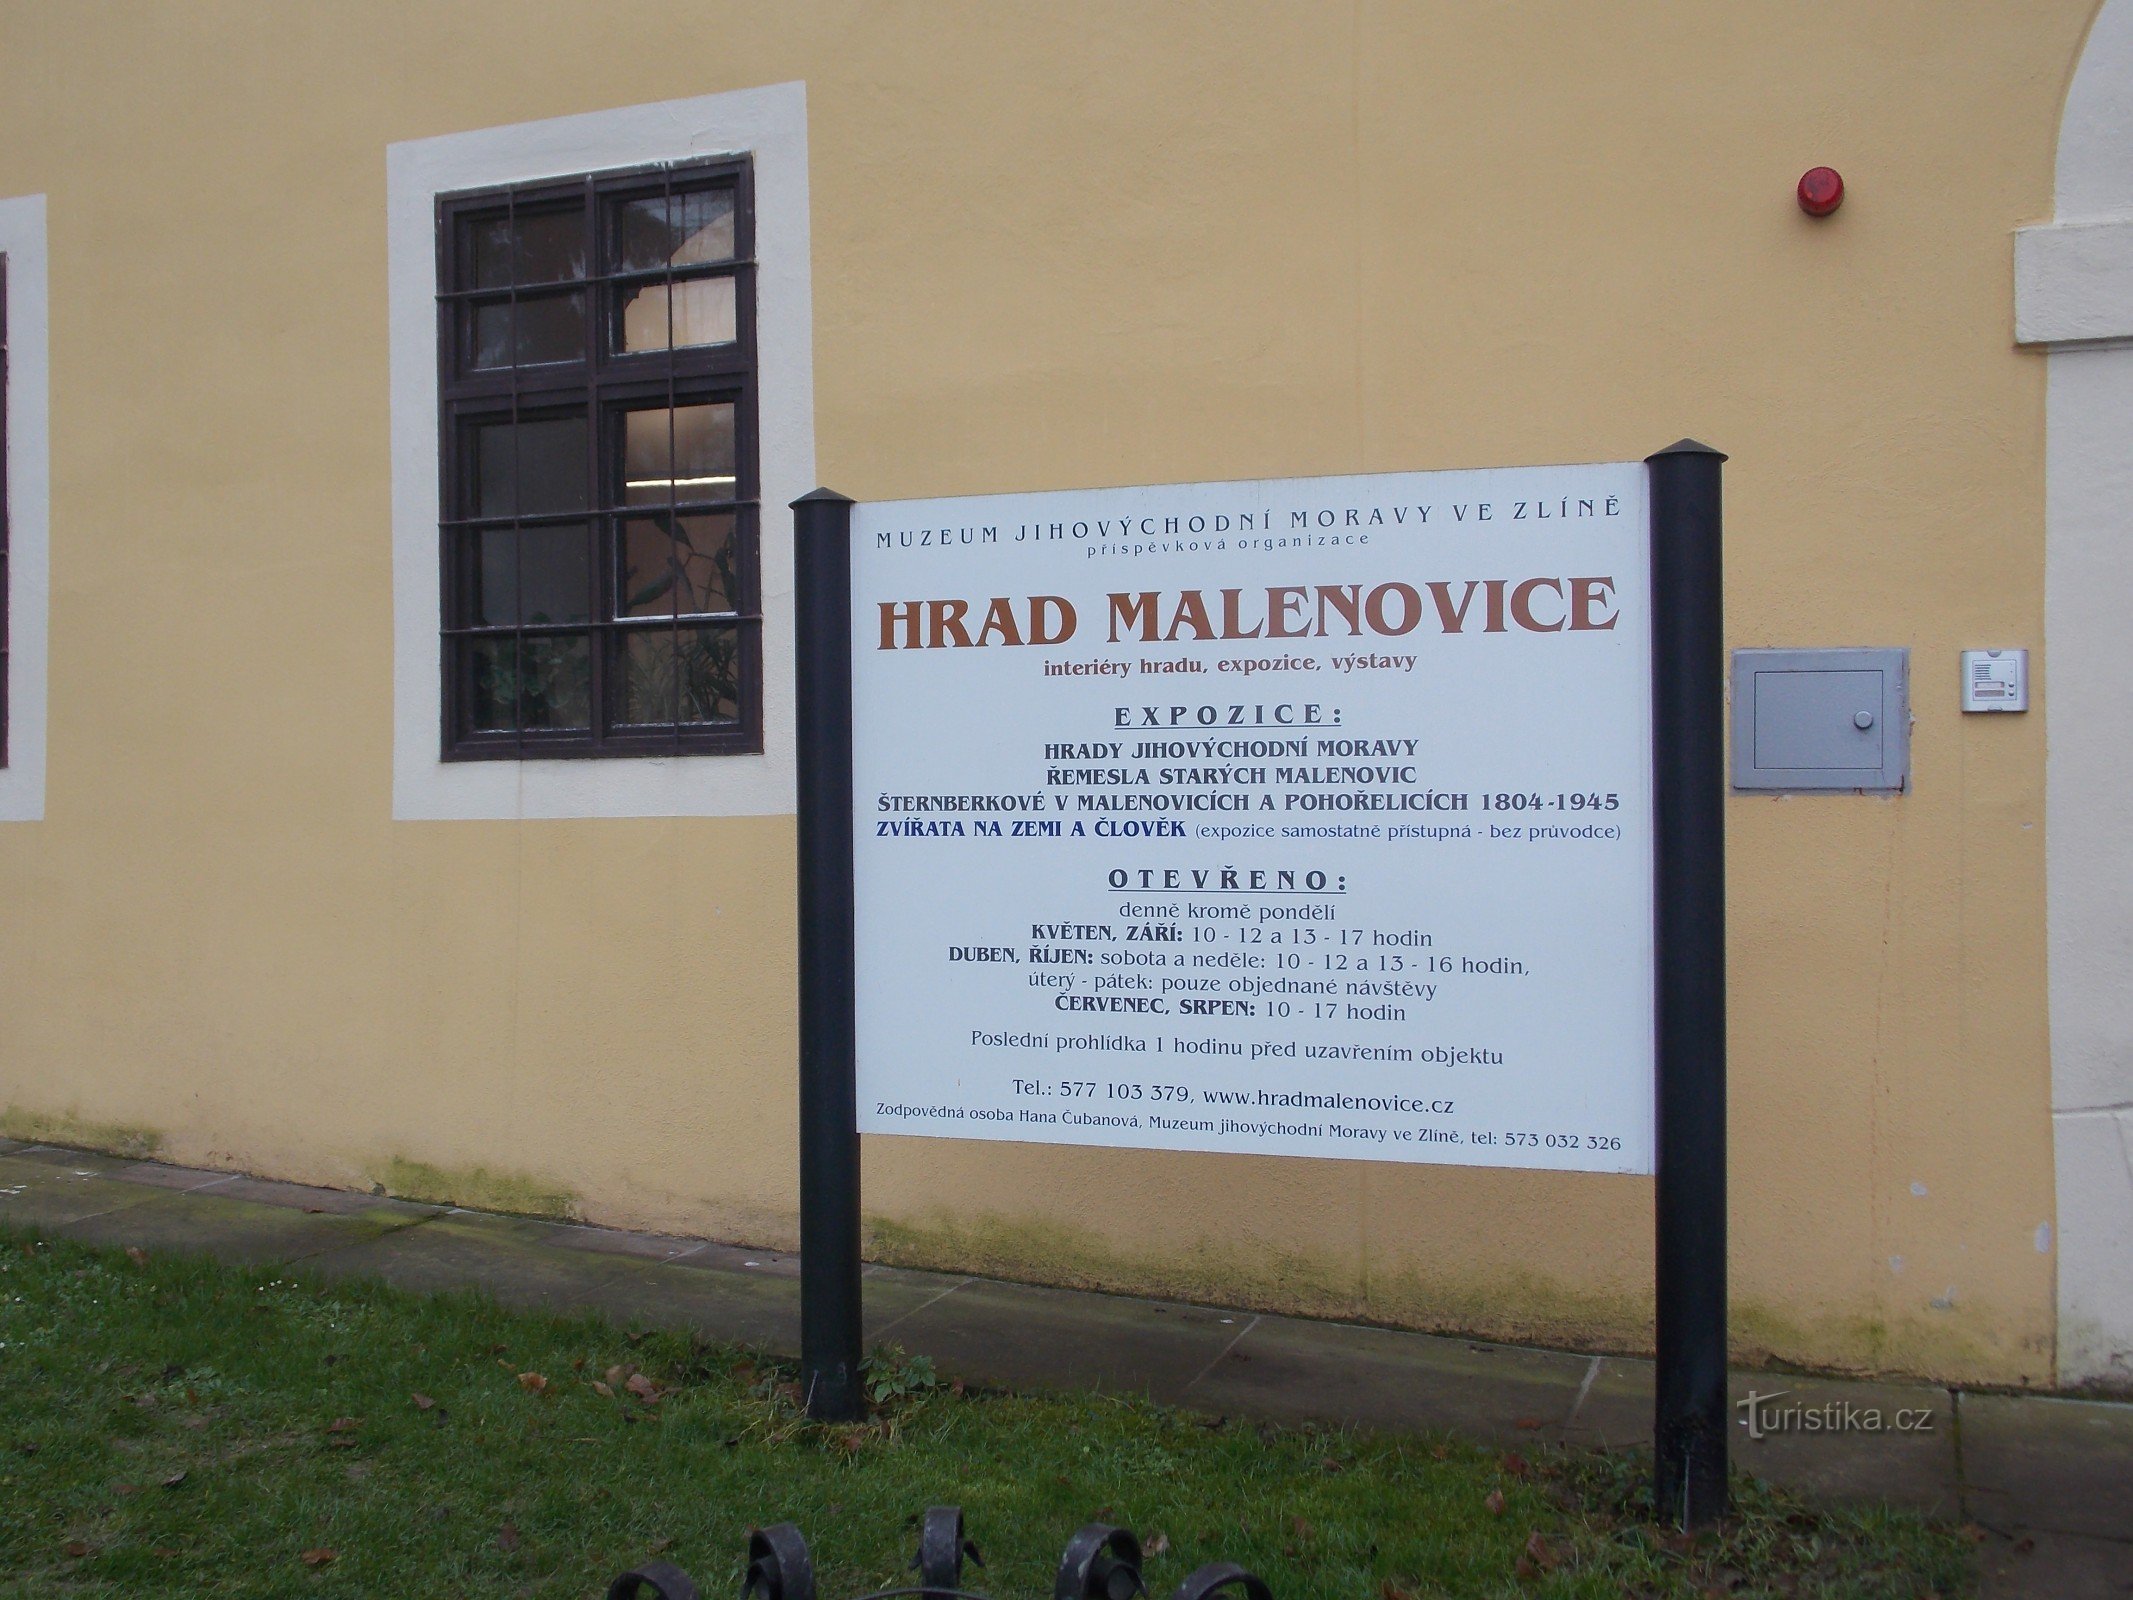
[(2074, 298)]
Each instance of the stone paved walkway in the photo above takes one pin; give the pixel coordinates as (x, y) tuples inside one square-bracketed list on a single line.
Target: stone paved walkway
[(2049, 1481)]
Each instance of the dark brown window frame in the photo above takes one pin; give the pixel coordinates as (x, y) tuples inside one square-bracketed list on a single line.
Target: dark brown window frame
[(603, 386)]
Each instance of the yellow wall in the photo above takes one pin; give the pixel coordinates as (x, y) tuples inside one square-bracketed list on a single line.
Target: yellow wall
[(1053, 246)]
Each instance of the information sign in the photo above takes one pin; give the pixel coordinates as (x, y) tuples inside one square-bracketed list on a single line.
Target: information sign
[(1307, 817)]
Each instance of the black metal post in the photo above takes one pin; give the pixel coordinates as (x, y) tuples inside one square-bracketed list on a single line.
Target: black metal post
[(1689, 901), (830, 1347)]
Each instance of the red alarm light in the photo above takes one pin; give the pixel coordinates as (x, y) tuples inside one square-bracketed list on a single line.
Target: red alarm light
[(1821, 191)]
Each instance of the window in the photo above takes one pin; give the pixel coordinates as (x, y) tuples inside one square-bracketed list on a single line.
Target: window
[(599, 570)]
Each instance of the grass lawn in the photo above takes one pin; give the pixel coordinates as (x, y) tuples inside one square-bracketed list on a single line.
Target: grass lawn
[(170, 1426)]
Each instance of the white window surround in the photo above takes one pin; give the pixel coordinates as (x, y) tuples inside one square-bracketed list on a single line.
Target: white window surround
[(29, 506), (769, 125)]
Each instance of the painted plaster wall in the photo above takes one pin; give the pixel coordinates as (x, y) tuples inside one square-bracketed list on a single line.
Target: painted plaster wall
[(1053, 247)]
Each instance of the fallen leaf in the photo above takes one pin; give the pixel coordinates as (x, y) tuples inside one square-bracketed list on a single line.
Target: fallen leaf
[(1516, 1465), (343, 1425), (1157, 1543), (498, 1349), (137, 1255), (507, 1538), (174, 1479), (126, 1488), (317, 1558), (1528, 1423), (1972, 1532), (1525, 1568), (620, 1373), (643, 1388), (2024, 1545), (1440, 1452), (1542, 1553), (77, 1549), (639, 1336), (423, 1402), (1329, 1464), (1304, 1530), (1494, 1502), (602, 1390), (661, 1545), (533, 1383), (578, 1365), (1388, 1590), (852, 1441), (956, 1388), (164, 1551)]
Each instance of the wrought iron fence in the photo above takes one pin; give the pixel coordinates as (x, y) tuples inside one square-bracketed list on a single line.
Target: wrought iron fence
[(1100, 1563)]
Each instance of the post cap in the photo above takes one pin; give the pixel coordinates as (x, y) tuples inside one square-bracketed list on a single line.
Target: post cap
[(817, 497), (1686, 447)]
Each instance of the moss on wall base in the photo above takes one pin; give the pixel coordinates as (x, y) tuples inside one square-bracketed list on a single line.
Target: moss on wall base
[(70, 1128), (1509, 1306), (1512, 1307), (477, 1188)]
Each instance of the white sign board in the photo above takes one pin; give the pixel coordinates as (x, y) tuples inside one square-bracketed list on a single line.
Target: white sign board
[(1308, 817)]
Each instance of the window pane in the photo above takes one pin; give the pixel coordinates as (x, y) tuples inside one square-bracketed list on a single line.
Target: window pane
[(544, 247), (683, 454), (555, 573), (690, 675), (489, 338), (703, 314), (551, 245), (677, 565), (555, 682), (549, 327), (679, 230), (489, 679), (485, 252), (545, 473), (532, 575), (549, 680)]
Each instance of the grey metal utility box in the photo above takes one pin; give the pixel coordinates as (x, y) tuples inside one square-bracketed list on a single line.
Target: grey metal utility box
[(1821, 719)]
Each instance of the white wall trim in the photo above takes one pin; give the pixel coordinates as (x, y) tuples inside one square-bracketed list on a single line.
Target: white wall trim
[(770, 124), (29, 506), (2074, 283), (2074, 296)]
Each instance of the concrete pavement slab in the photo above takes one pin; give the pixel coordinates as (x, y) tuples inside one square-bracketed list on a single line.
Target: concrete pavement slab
[(1833, 1438), (2060, 1465), (162, 1175), (618, 1242), (2054, 1566), (1022, 1335), (44, 1194), (500, 1256), (237, 1231), (1295, 1370), (760, 1312), (91, 1162)]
